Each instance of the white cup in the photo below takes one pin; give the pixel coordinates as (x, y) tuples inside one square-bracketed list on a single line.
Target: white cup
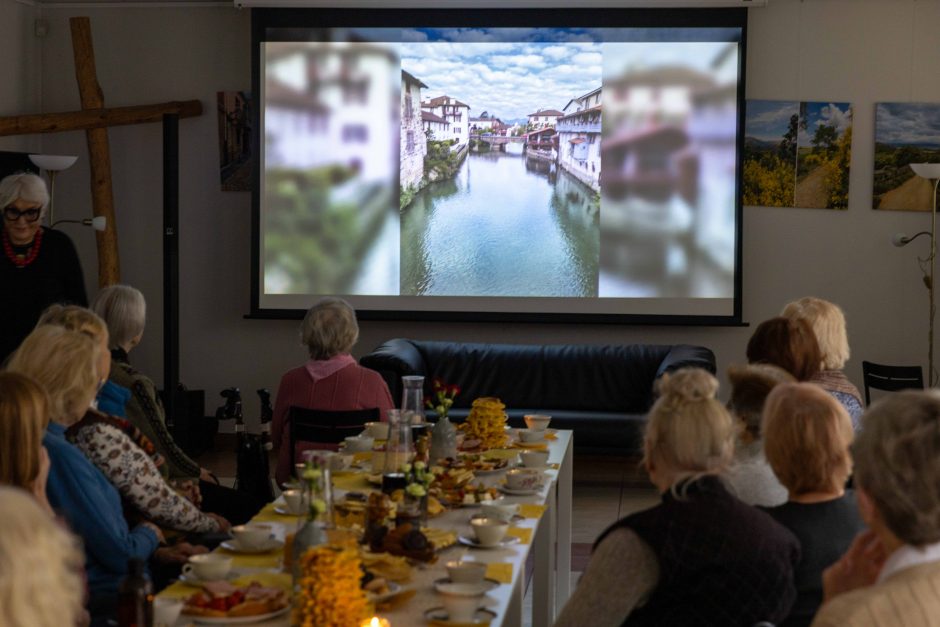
[(166, 611), (529, 436), (376, 430), (294, 500), (253, 535), (358, 444), (537, 422), (534, 459), (489, 531), (499, 509), (208, 566), (523, 479), (460, 571), (461, 600)]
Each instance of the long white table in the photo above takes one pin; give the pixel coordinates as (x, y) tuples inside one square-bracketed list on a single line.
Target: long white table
[(551, 543)]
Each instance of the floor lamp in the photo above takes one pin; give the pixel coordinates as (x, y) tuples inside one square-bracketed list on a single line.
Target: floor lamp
[(931, 172), (53, 164)]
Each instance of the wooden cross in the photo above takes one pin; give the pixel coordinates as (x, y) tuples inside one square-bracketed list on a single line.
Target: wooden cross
[(95, 119)]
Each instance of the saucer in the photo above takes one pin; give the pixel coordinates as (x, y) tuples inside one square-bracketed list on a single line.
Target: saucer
[(505, 489), (490, 583), (270, 545), (393, 590), (502, 544), (194, 580), (283, 511), (439, 616)]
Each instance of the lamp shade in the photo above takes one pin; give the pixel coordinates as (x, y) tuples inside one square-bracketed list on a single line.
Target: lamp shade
[(926, 170), (53, 163)]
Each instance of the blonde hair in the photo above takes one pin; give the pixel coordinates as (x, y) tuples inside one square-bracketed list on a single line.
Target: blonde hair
[(63, 362), (41, 584), (76, 318), (750, 386), (828, 323), (124, 310), (689, 433), (897, 463), (807, 434), (24, 415), (329, 328)]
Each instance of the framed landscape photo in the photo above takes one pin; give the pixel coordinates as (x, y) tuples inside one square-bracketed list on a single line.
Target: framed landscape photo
[(905, 133)]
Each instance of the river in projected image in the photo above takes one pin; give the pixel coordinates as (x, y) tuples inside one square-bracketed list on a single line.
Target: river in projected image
[(505, 225)]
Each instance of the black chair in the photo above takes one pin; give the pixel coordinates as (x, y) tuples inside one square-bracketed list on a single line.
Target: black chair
[(326, 426), (891, 378)]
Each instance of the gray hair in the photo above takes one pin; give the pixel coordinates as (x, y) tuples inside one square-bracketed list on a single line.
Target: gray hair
[(329, 328), (24, 186), (124, 310), (897, 463)]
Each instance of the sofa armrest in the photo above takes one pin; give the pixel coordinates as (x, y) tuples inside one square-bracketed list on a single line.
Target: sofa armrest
[(393, 360), (686, 356)]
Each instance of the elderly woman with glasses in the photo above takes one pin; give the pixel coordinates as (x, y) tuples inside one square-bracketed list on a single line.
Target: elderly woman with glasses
[(39, 266)]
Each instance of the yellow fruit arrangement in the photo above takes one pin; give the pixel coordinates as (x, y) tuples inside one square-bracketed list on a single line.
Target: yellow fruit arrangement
[(329, 593), (486, 422)]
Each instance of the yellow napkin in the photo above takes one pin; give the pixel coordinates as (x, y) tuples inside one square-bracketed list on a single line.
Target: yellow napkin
[(362, 456), (267, 514), (500, 453), (500, 572), (537, 446), (551, 436), (274, 580), (531, 510), (554, 466), (523, 533), (353, 482)]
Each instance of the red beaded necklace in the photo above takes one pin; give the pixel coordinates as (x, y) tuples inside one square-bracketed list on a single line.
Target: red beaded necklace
[(21, 261)]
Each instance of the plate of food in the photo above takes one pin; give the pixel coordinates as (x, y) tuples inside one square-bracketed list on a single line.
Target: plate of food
[(223, 603), (481, 464)]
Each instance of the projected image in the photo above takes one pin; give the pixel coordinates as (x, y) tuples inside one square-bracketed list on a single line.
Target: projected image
[(668, 181), (499, 169)]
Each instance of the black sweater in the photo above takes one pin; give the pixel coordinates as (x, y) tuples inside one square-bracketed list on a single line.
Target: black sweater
[(55, 276)]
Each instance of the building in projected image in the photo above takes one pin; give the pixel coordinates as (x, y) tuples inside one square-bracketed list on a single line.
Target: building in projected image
[(414, 145), (456, 114), (579, 138), (438, 126)]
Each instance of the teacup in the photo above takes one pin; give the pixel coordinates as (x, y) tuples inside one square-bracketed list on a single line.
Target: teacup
[(166, 611), (460, 571), (461, 600), (489, 531), (358, 444), (537, 422), (376, 430), (339, 461), (253, 535), (208, 566), (529, 436), (499, 509), (523, 479), (534, 459), (294, 500)]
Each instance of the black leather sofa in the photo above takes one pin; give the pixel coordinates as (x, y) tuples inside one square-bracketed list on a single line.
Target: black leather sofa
[(600, 392)]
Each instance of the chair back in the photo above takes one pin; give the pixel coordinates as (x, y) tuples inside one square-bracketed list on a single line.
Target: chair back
[(891, 378), (326, 426)]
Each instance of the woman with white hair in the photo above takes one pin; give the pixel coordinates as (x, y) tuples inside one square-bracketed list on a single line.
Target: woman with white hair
[(39, 266), (828, 323), (700, 557), (40, 566), (330, 380)]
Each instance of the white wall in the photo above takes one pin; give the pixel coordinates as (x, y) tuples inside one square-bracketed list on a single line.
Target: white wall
[(862, 51), (20, 71)]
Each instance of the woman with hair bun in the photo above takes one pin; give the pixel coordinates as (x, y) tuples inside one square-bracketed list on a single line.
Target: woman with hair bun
[(700, 557)]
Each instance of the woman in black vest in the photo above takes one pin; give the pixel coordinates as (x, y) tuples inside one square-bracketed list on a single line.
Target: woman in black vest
[(700, 557)]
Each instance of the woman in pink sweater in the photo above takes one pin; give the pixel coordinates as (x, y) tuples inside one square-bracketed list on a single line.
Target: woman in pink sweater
[(330, 380)]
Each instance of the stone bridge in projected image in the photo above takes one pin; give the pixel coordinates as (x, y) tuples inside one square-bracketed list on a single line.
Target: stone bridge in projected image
[(499, 142)]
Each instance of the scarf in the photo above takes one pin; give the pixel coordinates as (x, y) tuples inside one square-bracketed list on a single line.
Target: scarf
[(836, 381), (93, 416)]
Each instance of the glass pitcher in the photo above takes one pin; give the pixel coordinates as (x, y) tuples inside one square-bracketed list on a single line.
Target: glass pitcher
[(412, 400), (398, 447)]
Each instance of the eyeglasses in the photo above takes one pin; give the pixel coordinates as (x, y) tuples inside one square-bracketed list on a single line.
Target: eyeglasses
[(12, 214)]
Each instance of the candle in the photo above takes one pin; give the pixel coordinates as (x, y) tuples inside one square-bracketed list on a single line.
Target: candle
[(375, 621)]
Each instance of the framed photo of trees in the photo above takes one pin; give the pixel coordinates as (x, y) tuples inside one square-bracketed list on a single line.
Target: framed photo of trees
[(905, 133), (797, 154)]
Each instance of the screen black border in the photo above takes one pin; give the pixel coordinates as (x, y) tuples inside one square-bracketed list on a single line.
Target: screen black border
[(263, 19)]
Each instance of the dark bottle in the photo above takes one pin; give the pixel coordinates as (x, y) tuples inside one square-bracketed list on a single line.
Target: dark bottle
[(135, 597)]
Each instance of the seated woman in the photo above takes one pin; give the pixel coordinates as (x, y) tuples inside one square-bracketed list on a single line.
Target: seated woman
[(828, 323), (124, 311), (24, 416), (40, 566), (119, 450), (68, 363), (787, 344), (890, 576), (331, 379), (807, 435), (750, 476), (701, 557)]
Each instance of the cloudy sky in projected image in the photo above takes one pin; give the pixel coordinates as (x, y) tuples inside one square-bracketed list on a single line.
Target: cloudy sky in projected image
[(507, 79), (907, 124)]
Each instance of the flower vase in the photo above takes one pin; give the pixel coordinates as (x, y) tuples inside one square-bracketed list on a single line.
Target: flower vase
[(443, 440), (309, 534)]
